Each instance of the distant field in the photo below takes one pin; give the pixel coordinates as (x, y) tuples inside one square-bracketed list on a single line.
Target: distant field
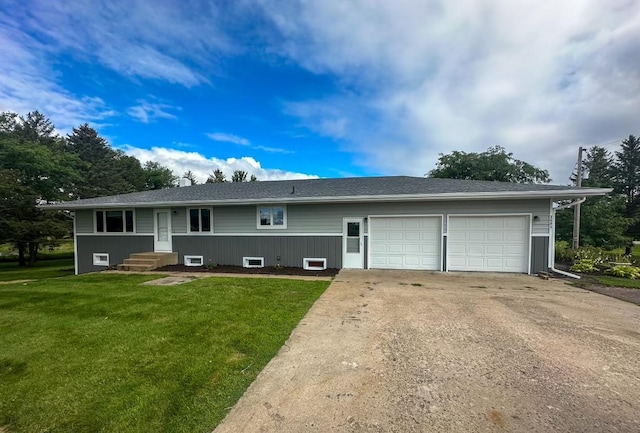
[(63, 251)]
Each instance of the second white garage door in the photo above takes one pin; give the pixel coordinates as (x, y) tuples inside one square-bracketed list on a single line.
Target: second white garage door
[(405, 242), (492, 243)]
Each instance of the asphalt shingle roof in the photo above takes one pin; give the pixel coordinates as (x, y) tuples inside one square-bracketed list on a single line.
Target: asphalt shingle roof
[(297, 190)]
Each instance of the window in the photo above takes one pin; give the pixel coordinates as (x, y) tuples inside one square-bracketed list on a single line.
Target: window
[(200, 220), (114, 221), (101, 259), (314, 264), (272, 217), (253, 262), (193, 260)]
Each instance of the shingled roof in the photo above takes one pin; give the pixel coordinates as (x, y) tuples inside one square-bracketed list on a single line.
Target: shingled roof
[(390, 188)]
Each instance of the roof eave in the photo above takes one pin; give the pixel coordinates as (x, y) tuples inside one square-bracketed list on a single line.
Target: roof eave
[(559, 194)]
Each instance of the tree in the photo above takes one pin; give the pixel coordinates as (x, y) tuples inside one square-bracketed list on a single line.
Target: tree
[(34, 169), (191, 176), (603, 222), (253, 178), (495, 164), (239, 176), (158, 176), (627, 168), (216, 177), (104, 171), (598, 168)]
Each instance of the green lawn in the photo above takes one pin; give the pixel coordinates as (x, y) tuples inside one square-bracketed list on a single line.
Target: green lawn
[(102, 353), (607, 280), (10, 271)]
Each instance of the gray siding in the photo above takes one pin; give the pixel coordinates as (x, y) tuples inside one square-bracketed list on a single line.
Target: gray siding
[(144, 220), (229, 250), (118, 247), (84, 221), (539, 254), (179, 220), (327, 218)]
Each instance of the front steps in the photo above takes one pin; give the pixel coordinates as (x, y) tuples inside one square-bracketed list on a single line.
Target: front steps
[(148, 261)]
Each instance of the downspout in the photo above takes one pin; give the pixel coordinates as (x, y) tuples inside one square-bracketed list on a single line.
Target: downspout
[(552, 238)]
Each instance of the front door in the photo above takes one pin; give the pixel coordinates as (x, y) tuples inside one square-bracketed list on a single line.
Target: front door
[(352, 243), (162, 230)]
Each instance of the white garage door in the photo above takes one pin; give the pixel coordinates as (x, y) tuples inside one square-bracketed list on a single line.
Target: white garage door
[(405, 242), (492, 243)]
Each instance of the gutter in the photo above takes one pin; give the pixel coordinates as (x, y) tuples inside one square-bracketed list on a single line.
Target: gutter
[(552, 255)]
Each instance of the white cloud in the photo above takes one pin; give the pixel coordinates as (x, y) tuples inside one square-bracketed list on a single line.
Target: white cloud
[(146, 112), (229, 138), (180, 161), (425, 77), (241, 141), (136, 38), (28, 83)]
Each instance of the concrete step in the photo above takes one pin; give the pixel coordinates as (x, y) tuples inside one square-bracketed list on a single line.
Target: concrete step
[(138, 268), (153, 262), (148, 261), (163, 258)]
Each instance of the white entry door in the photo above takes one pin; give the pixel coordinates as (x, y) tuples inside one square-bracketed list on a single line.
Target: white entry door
[(162, 229), (352, 243)]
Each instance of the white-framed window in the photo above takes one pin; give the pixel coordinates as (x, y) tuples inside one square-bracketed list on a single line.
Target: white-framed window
[(253, 262), (314, 264), (272, 217), (101, 259), (199, 220), (193, 260), (114, 221)]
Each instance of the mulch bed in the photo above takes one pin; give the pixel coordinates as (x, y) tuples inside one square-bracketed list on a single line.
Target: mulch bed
[(267, 270), (622, 293)]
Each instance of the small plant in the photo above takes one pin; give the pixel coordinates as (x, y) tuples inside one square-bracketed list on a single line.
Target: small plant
[(584, 266), (597, 255), (563, 252), (211, 264), (630, 272)]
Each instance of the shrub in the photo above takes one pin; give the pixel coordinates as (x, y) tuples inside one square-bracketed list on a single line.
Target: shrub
[(631, 272), (584, 266), (211, 265), (597, 255), (563, 252)]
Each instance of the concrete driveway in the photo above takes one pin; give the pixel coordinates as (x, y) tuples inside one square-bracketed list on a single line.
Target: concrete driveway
[(398, 351)]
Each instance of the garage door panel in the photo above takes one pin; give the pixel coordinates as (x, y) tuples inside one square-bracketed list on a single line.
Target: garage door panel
[(475, 250), (405, 242), (491, 243), (494, 249)]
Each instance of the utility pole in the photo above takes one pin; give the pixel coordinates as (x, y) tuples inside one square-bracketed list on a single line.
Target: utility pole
[(576, 208)]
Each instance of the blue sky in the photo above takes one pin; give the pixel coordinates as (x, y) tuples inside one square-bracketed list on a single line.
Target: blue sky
[(289, 89)]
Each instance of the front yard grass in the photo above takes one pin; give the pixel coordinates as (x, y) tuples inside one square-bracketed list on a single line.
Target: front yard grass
[(10, 271), (607, 280), (102, 353)]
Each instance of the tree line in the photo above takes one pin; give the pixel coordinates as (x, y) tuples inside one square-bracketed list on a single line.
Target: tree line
[(39, 166)]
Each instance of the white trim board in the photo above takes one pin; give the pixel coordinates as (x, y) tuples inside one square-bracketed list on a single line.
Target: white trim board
[(517, 195)]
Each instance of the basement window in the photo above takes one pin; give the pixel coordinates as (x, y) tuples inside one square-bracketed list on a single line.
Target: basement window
[(193, 260), (253, 262), (314, 264), (101, 259)]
